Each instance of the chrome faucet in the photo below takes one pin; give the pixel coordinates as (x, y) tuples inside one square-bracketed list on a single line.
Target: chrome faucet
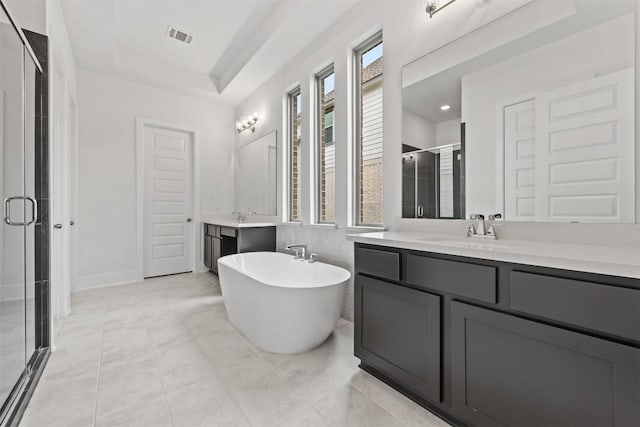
[(300, 251), (238, 216), (480, 230)]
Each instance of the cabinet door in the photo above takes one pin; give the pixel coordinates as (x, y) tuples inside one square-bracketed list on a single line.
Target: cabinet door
[(397, 331), (207, 251), (508, 371), (215, 253)]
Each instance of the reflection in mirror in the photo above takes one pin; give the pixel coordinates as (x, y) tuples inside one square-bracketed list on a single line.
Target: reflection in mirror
[(548, 120), (433, 149), (431, 182), (256, 172)]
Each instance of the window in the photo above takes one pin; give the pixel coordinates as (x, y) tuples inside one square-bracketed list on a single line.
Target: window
[(325, 147), (328, 127), (368, 160), (294, 108)]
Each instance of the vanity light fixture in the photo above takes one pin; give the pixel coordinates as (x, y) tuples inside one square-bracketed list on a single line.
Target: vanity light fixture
[(445, 107), (247, 122), (433, 8)]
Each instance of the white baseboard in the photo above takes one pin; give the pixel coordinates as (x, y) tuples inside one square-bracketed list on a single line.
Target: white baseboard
[(15, 292), (106, 280)]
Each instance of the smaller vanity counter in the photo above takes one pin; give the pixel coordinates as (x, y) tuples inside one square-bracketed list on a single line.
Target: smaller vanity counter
[(229, 222), (226, 236)]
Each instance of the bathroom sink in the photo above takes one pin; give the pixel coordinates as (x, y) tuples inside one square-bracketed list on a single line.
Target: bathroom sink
[(463, 242)]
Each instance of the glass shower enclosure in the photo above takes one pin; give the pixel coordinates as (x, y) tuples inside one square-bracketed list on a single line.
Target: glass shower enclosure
[(19, 70), (432, 182)]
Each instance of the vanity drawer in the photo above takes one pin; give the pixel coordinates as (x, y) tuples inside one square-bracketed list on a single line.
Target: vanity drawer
[(226, 231), (610, 309), (460, 278), (377, 262), (211, 230)]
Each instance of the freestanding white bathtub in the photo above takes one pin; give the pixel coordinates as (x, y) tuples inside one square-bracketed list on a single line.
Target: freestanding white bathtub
[(282, 304)]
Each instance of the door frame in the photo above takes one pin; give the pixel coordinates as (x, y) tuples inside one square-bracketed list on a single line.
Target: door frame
[(501, 106), (196, 238)]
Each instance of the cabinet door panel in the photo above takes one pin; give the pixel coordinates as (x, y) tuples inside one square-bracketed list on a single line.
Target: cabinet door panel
[(207, 251), (398, 332), (508, 371), (215, 253)]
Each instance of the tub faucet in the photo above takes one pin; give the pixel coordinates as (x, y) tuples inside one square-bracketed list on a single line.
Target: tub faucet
[(300, 251)]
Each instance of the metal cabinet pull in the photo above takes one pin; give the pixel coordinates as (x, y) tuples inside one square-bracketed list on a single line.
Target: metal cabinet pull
[(58, 226)]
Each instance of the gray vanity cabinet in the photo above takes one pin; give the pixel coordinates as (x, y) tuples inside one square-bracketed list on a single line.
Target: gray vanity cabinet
[(508, 371), (399, 333), (490, 343), (220, 241)]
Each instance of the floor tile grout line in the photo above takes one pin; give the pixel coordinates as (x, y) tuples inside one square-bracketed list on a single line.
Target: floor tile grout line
[(95, 405), (155, 363), (378, 405)]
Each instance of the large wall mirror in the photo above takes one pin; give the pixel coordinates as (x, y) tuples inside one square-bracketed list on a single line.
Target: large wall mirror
[(539, 128), (256, 172)]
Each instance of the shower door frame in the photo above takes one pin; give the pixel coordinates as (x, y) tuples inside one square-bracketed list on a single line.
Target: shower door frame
[(36, 45)]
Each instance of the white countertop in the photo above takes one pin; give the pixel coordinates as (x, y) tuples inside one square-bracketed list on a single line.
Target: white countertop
[(227, 222), (621, 261)]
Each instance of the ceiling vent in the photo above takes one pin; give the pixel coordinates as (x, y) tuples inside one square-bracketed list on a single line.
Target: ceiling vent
[(173, 33)]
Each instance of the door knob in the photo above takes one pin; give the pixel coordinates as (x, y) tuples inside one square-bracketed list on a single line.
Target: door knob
[(71, 223), (189, 220), (58, 226)]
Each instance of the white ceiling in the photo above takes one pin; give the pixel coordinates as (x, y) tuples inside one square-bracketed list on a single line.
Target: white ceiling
[(237, 45)]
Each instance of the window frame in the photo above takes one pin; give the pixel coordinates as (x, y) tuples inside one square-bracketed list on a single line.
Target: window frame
[(356, 146), (319, 143), (291, 135)]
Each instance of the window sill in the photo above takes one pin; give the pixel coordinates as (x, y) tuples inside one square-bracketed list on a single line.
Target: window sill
[(364, 229), (322, 226)]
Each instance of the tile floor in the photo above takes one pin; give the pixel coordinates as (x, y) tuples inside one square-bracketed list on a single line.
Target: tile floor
[(162, 353)]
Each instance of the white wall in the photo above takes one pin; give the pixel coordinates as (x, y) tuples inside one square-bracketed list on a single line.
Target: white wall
[(448, 132), (107, 174), (417, 131), (29, 14), (603, 49)]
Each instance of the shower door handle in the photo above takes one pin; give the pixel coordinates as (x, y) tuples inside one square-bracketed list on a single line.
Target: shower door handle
[(34, 210), (7, 210)]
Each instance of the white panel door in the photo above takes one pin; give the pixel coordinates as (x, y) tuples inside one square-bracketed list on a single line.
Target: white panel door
[(585, 151), (168, 157), (519, 161)]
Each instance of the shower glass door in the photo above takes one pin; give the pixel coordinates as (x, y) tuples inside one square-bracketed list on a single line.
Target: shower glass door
[(18, 75), (12, 237)]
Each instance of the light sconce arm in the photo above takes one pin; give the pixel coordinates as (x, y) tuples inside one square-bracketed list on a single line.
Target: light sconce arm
[(432, 7)]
